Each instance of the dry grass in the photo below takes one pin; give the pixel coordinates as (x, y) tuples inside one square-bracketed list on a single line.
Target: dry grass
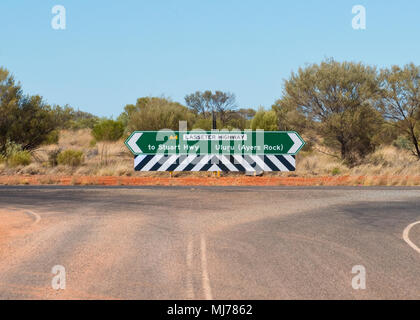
[(388, 166)]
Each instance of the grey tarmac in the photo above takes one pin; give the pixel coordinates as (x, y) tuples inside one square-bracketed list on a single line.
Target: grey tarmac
[(210, 242)]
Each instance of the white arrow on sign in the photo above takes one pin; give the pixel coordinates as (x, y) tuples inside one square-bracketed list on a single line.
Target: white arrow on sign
[(297, 142), (132, 143)]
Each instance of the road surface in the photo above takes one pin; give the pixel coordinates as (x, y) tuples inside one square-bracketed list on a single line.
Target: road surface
[(209, 242)]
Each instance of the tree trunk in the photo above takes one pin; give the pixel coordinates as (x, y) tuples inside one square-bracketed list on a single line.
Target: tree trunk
[(416, 145), (415, 142)]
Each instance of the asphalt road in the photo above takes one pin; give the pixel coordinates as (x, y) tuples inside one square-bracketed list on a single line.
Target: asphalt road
[(210, 243)]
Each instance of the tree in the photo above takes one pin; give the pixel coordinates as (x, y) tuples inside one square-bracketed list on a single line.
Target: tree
[(342, 98), (24, 120), (206, 103), (289, 117), (264, 120), (401, 101), (69, 118), (154, 114), (107, 131)]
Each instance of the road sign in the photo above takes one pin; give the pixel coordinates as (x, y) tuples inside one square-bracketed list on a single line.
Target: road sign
[(232, 163), (214, 143)]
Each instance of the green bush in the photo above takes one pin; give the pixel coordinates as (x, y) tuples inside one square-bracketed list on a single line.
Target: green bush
[(402, 143), (52, 138), (71, 158), (20, 158), (108, 130), (335, 171)]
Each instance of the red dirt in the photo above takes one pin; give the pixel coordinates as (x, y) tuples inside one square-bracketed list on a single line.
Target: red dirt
[(12, 224), (211, 181)]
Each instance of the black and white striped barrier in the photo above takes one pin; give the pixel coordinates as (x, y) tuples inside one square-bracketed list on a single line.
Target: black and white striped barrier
[(227, 163)]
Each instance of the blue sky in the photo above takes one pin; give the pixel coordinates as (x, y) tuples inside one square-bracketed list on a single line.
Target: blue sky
[(113, 52)]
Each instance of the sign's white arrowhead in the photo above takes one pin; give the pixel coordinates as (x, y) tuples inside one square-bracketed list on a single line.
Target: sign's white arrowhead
[(297, 143), (132, 143)]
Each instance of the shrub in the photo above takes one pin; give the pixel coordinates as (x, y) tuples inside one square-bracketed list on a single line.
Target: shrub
[(402, 143), (92, 143), (20, 158), (108, 130), (53, 157), (52, 138), (335, 171), (71, 158)]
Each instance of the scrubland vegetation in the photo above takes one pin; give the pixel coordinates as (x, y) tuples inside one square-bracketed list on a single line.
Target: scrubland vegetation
[(357, 121)]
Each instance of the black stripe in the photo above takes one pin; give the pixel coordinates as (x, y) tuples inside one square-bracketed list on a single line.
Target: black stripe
[(191, 165), (286, 163), (160, 163), (208, 165), (176, 163), (144, 162), (237, 165), (271, 165), (223, 167), (253, 164)]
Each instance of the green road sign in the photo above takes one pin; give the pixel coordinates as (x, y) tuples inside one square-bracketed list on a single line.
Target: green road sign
[(214, 142)]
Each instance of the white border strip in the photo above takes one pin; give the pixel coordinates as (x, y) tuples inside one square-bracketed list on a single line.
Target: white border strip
[(407, 239)]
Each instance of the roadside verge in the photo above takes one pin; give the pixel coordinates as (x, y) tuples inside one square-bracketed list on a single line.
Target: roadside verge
[(212, 181)]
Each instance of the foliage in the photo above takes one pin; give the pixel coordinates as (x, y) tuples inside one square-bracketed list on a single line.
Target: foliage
[(205, 103), (71, 158), (265, 120), (108, 130), (20, 158), (25, 120), (335, 171), (14, 156), (53, 157), (402, 142), (154, 114), (401, 101), (68, 118), (203, 124), (289, 117), (52, 137), (341, 97)]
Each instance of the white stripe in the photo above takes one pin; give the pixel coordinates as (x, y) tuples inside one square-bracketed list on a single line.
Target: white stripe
[(407, 239), (35, 215), (227, 163), (297, 143), (133, 142), (168, 162), (186, 162), (214, 168), (277, 163), (202, 163), (291, 160), (138, 160), (260, 163), (241, 160), (152, 162)]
